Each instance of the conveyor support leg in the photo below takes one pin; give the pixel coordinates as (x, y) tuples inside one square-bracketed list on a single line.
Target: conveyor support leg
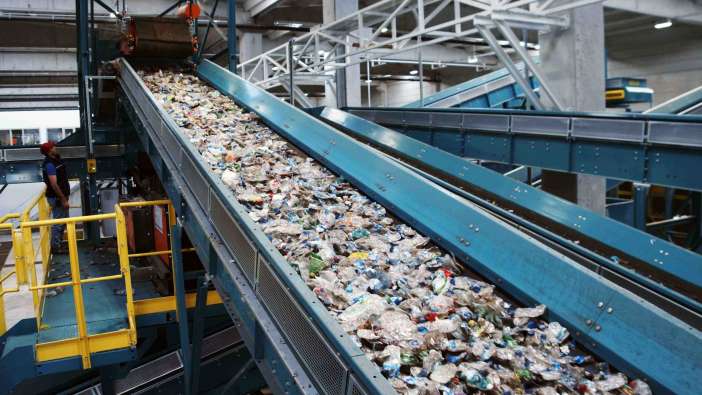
[(198, 331), (181, 309)]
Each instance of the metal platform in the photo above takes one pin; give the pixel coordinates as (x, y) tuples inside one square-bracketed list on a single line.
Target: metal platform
[(86, 309), (105, 304)]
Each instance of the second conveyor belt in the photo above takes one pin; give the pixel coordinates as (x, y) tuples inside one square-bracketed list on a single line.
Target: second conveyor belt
[(267, 296)]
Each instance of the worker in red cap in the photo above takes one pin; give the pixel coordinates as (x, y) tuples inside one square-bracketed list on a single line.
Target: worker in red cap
[(57, 192)]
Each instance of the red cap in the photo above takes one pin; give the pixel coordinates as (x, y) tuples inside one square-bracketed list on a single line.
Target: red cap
[(46, 147)]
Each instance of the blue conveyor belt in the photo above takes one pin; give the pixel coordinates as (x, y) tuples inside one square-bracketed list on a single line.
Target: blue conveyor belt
[(610, 236), (296, 343)]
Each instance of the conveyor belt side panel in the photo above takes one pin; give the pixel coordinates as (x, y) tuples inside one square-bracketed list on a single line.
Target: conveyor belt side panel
[(644, 148), (635, 338)]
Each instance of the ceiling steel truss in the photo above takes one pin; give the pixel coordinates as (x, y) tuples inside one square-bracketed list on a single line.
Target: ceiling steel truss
[(390, 27)]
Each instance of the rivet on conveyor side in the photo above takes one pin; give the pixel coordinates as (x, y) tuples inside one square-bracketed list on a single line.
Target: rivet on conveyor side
[(598, 328), (610, 310), (600, 305), (588, 322)]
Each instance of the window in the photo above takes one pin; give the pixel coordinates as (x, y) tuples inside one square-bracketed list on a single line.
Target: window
[(30, 136), (54, 134), (5, 137)]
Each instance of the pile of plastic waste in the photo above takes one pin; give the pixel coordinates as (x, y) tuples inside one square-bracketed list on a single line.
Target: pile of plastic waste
[(405, 302)]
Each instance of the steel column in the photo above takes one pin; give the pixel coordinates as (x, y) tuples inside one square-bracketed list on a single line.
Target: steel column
[(640, 204), (181, 308), (231, 35), (198, 331), (291, 68), (210, 22), (83, 59)]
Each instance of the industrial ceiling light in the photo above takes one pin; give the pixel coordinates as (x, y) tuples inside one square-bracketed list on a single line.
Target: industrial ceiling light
[(472, 59), (663, 25), (384, 30), (414, 72), (290, 24)]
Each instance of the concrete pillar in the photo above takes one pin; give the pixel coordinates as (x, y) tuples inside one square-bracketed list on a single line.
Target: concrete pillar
[(573, 62), (348, 81)]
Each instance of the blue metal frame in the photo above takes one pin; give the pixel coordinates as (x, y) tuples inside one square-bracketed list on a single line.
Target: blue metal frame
[(657, 149), (181, 309), (198, 332), (231, 36), (635, 336), (679, 263)]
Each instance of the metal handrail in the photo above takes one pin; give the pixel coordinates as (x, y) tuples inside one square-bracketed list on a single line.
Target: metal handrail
[(6, 276), (44, 209), (23, 244)]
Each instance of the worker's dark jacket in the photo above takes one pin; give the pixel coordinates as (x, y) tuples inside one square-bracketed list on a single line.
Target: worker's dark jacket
[(61, 177)]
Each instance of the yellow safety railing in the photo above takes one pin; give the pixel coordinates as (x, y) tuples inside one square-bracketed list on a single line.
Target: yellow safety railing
[(43, 213), (16, 272), (84, 344), (165, 303)]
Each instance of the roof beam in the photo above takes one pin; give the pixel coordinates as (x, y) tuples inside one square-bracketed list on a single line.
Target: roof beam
[(255, 7)]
